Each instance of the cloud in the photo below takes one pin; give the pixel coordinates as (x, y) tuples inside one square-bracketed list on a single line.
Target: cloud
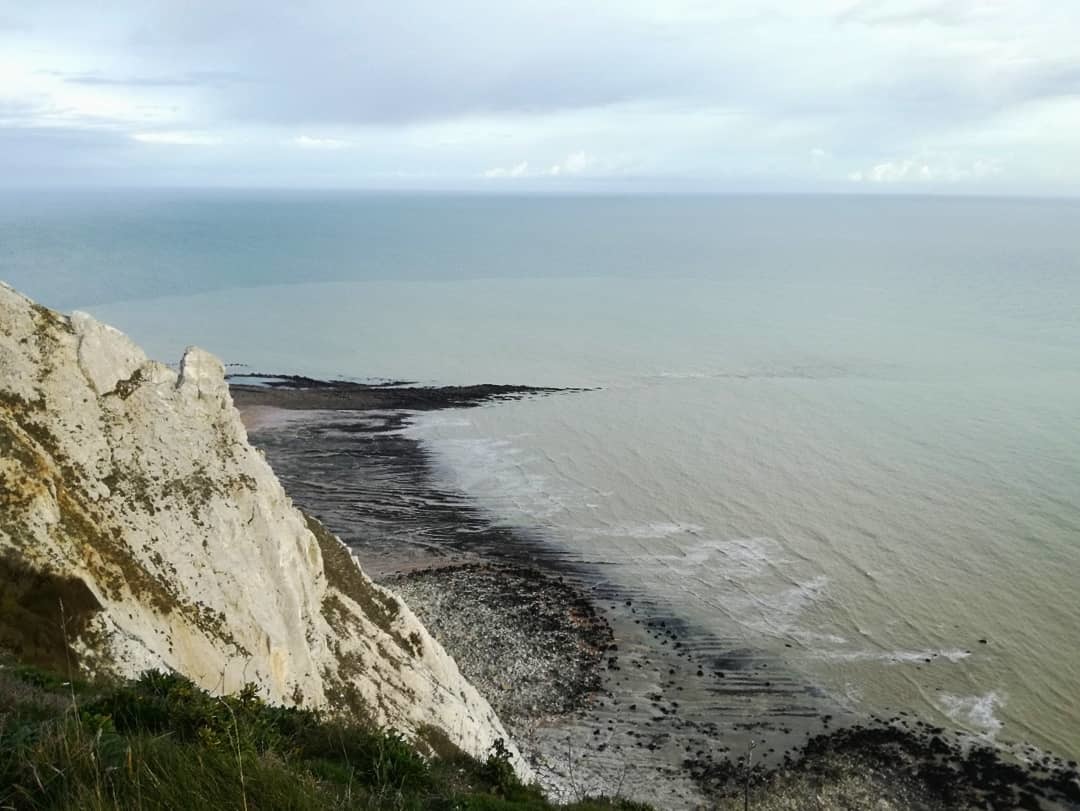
[(906, 12), (177, 138), (573, 164), (13, 112), (16, 142), (206, 78), (919, 170), (517, 170), (803, 95), (307, 142), (366, 62), (32, 156)]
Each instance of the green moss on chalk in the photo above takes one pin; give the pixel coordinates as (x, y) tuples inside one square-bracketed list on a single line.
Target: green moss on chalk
[(345, 576)]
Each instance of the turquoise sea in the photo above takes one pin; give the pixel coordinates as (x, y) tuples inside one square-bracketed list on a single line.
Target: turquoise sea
[(842, 429)]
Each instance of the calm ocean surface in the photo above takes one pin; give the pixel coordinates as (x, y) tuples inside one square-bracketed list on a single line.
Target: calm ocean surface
[(848, 426)]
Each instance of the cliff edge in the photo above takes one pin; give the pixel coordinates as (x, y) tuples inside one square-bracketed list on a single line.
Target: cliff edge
[(139, 530)]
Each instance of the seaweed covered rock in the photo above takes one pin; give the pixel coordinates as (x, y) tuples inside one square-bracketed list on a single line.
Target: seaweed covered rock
[(139, 530)]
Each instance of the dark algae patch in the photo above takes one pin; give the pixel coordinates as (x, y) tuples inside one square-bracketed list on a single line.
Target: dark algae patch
[(125, 388), (305, 393), (889, 766)]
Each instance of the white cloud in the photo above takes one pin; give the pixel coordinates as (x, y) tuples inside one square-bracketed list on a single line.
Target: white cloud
[(921, 170), (573, 164), (517, 170), (177, 138), (307, 142), (806, 95)]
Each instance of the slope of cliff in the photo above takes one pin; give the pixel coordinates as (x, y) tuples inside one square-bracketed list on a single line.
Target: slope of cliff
[(139, 530)]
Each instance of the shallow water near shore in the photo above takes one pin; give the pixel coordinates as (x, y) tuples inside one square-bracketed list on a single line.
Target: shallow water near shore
[(848, 575), (842, 434)]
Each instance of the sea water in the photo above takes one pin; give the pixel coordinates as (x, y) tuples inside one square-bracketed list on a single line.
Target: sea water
[(842, 431)]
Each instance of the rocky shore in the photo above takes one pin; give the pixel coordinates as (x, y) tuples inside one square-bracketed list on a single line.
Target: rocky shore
[(307, 394), (530, 643), (606, 691)]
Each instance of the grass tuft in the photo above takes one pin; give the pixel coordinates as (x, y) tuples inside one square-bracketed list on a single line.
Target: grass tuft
[(160, 742)]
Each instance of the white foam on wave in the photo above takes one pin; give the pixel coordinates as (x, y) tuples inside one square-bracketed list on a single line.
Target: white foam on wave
[(769, 611), (817, 637), (751, 580), (794, 600), (685, 375), (657, 530), (735, 558), (974, 711), (501, 475), (894, 657), (421, 425), (812, 371)]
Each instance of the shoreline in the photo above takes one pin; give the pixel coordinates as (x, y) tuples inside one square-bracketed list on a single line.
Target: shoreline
[(298, 393), (667, 704)]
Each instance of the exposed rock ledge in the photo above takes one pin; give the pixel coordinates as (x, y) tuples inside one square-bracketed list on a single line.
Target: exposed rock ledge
[(130, 493)]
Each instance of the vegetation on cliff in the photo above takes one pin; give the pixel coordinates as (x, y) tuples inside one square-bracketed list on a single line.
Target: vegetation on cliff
[(160, 742)]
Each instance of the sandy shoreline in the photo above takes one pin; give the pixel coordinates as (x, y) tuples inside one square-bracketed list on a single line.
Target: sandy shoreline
[(606, 691)]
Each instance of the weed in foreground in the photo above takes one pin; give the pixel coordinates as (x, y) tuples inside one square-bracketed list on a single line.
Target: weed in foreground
[(160, 742)]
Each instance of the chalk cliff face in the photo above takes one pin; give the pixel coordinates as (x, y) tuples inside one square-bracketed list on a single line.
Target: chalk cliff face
[(136, 518)]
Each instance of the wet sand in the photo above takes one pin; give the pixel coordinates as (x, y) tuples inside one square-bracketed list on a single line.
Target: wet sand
[(606, 690)]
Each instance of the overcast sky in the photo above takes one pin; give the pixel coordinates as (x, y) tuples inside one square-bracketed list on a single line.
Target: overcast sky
[(965, 96)]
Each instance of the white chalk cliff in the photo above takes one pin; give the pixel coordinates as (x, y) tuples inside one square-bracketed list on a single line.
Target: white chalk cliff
[(139, 482)]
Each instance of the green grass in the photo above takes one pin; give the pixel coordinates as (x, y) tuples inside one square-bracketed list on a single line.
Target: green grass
[(160, 742)]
